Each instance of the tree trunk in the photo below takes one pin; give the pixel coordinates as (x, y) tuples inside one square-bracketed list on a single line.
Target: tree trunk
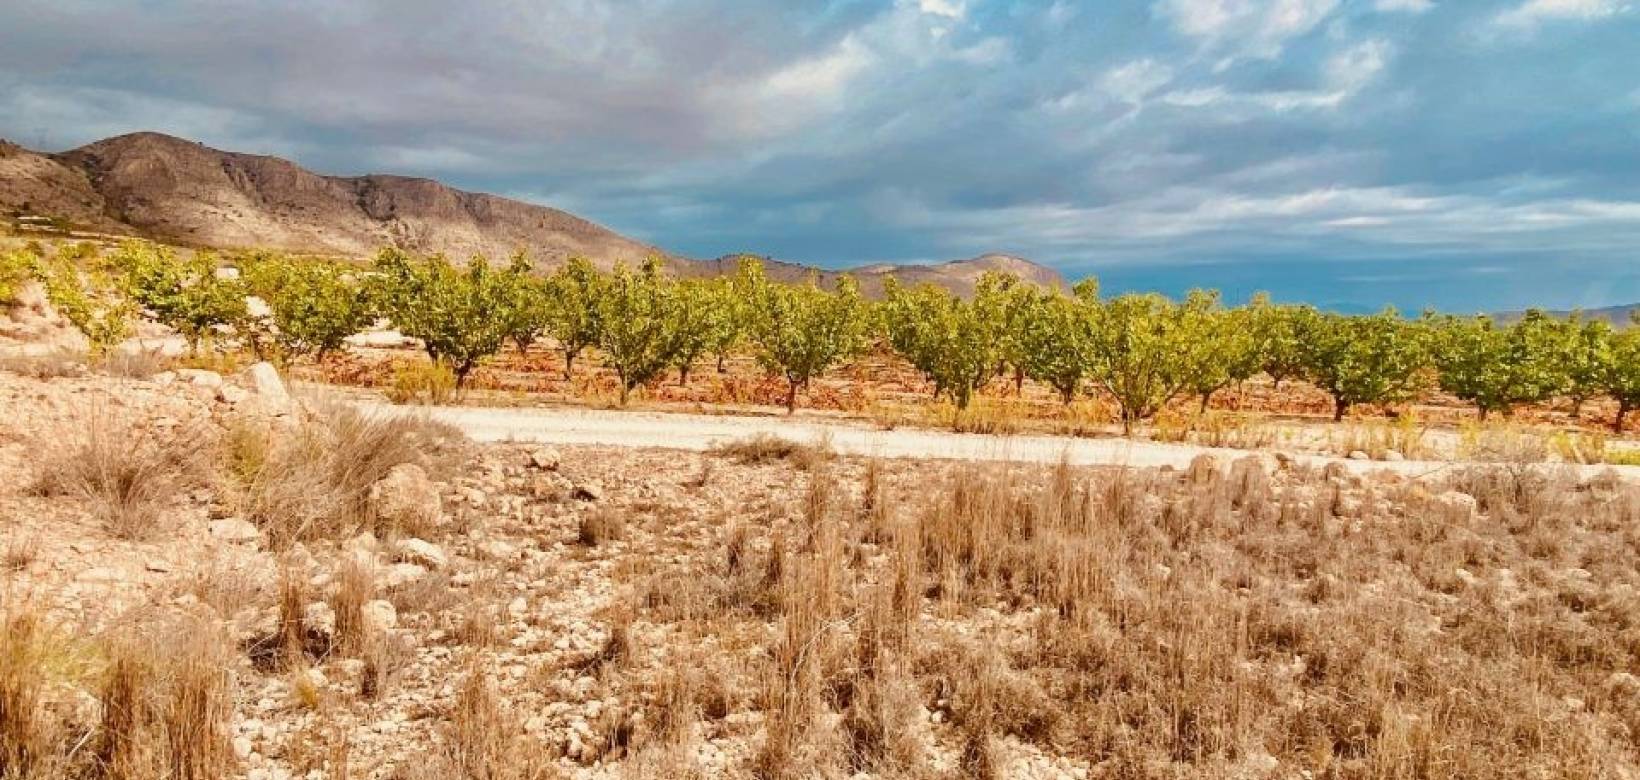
[(1577, 407), (1483, 413), (683, 375), (1207, 396), (1127, 423), (1340, 406), (721, 369), (791, 396), (569, 363), (1066, 394), (626, 391), (1019, 382), (1622, 411)]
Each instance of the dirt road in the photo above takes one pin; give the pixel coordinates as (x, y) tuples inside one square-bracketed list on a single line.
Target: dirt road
[(700, 432)]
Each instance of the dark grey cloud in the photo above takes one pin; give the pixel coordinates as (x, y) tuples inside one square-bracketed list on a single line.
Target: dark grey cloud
[(1463, 154)]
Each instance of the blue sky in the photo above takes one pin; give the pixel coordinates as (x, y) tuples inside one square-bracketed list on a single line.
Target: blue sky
[(1458, 153)]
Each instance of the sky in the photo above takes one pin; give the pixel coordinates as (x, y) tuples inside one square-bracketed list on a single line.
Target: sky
[(1464, 154)]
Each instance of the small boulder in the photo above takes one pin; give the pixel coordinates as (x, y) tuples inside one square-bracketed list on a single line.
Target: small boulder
[(401, 574), (423, 553), (1457, 506), (231, 394), (199, 377), (1359, 455), (379, 615), (264, 379), (546, 459), (589, 491), (406, 498), (234, 530), (1394, 456), (1205, 468)]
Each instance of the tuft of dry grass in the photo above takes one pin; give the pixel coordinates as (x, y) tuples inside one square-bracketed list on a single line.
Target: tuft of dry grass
[(48, 366), (314, 481), (27, 735), (762, 448), (129, 473), (355, 586), (20, 552), (601, 525)]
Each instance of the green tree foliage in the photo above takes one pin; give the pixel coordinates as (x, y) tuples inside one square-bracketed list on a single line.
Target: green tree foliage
[(1497, 368), (571, 315), (637, 312), (1622, 374), (1373, 359), (187, 295), (530, 308), (728, 329), (1143, 353), (1056, 335), (1276, 330), (1225, 347), (16, 268), (1586, 358), (800, 331), (699, 318), (1008, 301), (86, 291), (313, 305), (461, 315), (956, 343)]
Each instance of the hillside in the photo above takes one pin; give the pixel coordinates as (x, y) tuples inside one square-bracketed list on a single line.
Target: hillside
[(958, 276), (1618, 316), (179, 191)]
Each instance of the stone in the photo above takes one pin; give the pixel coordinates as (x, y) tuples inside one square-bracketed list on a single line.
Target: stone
[(546, 459), (380, 615), (264, 380), (234, 530), (589, 491), (318, 616), (407, 498), (401, 574), (164, 378), (423, 553), (518, 607), (1206, 467), (232, 394), (1394, 456), (199, 377), (1456, 506), (157, 566), (242, 747), (1359, 455)]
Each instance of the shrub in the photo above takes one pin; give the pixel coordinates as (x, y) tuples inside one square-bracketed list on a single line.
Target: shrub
[(90, 298), (426, 383), (127, 472)]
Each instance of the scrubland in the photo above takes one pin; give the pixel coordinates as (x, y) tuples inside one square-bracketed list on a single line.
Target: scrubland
[(200, 583)]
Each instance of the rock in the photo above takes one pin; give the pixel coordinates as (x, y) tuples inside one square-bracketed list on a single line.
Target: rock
[(1394, 456), (546, 459), (1359, 455), (158, 566), (407, 498), (164, 378), (380, 615), (242, 747), (518, 607), (234, 530), (1205, 468), (231, 394), (423, 553), (401, 574), (264, 379), (473, 496), (318, 616), (1623, 684), (100, 574), (199, 377), (589, 491), (1456, 506)]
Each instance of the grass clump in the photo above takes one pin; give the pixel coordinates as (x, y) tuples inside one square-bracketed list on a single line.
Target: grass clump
[(761, 448), (128, 472)]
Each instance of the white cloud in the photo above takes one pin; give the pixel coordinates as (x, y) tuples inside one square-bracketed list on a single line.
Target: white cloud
[(1344, 75), (1249, 28), (950, 9), (1529, 15), (1136, 80), (1355, 67), (1406, 6)]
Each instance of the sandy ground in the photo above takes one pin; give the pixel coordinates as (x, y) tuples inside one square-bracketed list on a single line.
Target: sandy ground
[(700, 432)]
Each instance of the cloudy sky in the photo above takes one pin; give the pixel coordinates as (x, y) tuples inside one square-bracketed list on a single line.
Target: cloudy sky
[(1469, 154)]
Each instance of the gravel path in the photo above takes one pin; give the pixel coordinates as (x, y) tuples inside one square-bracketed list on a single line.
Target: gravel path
[(700, 432)]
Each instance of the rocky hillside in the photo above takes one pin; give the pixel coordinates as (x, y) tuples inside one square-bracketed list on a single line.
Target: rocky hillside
[(180, 191), (959, 276)]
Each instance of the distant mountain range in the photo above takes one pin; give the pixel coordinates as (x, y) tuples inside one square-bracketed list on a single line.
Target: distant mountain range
[(1618, 316), (171, 189)]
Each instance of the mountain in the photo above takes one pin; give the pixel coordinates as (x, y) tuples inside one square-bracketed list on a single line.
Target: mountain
[(958, 276), (178, 191), (1618, 316)]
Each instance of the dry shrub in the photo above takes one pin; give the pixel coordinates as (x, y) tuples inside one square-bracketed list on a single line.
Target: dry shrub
[(984, 415), (27, 735), (1501, 442), (761, 448), (355, 586), (128, 472), (601, 525), (47, 366), (132, 363), (20, 552), (422, 383), (314, 481), (481, 741)]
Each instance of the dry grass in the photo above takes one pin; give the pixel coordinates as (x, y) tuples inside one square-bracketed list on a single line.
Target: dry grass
[(132, 364), (128, 472), (481, 741), (314, 481), (354, 587), (163, 704), (422, 382), (47, 366), (765, 448), (1405, 434), (601, 525), (20, 552)]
